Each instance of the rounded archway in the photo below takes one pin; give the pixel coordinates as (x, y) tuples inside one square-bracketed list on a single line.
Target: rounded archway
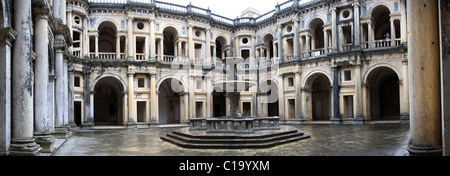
[(170, 37), (380, 17), (221, 44), (107, 33), (108, 102), (169, 101), (268, 46), (319, 87), (384, 94), (316, 28)]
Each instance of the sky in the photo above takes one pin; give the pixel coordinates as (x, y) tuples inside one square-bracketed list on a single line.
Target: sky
[(230, 8)]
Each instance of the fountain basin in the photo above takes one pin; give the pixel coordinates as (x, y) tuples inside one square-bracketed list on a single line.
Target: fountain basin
[(233, 125), (233, 85)]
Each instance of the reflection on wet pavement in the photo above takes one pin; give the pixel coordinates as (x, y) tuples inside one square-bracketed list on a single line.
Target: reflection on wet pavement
[(326, 140)]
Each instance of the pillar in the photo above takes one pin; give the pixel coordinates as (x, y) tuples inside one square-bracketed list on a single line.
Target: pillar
[(130, 46), (358, 91), (334, 31), (71, 104), (191, 43), (117, 47), (403, 27), (161, 49), (68, 132), (208, 46), (209, 100), (253, 55), (356, 26), (59, 90), (88, 120), (404, 96), (296, 40), (191, 97), (336, 109), (370, 31), (85, 41), (298, 102), (392, 32), (69, 24), (179, 49), (152, 40), (96, 46), (280, 44), (7, 36), (281, 96), (325, 36), (308, 44), (154, 100), (22, 140), (424, 79), (132, 118)]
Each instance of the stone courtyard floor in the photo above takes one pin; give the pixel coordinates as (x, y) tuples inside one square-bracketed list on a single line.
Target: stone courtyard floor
[(326, 140)]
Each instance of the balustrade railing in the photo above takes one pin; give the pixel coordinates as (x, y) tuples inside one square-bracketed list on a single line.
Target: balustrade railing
[(317, 52), (222, 19), (382, 43), (347, 47), (140, 56), (172, 7), (77, 53)]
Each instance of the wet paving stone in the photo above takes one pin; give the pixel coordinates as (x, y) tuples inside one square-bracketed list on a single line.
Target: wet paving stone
[(326, 140)]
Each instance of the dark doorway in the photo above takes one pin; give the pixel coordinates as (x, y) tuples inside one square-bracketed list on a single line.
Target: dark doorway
[(169, 101), (77, 113), (384, 97), (219, 104), (108, 102), (321, 98)]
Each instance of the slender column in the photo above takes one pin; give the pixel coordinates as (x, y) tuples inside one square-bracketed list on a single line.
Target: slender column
[(59, 96), (154, 100), (280, 44), (179, 49), (208, 46), (403, 27), (253, 54), (96, 46), (308, 44), (281, 96), (22, 141), (404, 106), (298, 102), (161, 49), (152, 40), (69, 24), (117, 47), (370, 33), (85, 41), (66, 97), (358, 91), (88, 120), (131, 101), (423, 65), (296, 40), (325, 36), (209, 100), (392, 32), (336, 109), (130, 46), (70, 100), (191, 97), (334, 31), (191, 43), (275, 51), (356, 26)]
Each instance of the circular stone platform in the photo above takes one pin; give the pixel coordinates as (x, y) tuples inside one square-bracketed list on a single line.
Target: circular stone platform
[(259, 139)]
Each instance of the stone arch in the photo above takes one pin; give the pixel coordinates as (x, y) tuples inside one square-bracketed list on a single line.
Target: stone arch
[(170, 104), (380, 15), (311, 76), (105, 75), (221, 46), (366, 75), (317, 90), (109, 101), (267, 42), (183, 84), (107, 21), (107, 36), (269, 103), (315, 27), (383, 93), (170, 35)]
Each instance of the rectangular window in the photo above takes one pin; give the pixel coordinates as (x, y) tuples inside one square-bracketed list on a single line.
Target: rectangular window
[(141, 111), (303, 24), (92, 24), (290, 82), (396, 7), (141, 82), (157, 27), (199, 84), (329, 18), (123, 24), (76, 81), (347, 75), (184, 31), (364, 11)]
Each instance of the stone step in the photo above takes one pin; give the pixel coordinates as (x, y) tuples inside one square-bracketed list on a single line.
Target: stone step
[(233, 135), (217, 140), (234, 145)]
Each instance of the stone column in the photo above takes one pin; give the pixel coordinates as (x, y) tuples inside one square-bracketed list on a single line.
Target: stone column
[(308, 44), (22, 140), (281, 96), (59, 92), (358, 91), (325, 36), (208, 46), (191, 43), (66, 99), (132, 118), (296, 40), (154, 100), (356, 25), (334, 30), (191, 97), (130, 46), (117, 47), (253, 53), (280, 44), (370, 33), (96, 46), (7, 36), (41, 69), (179, 49), (392, 33), (71, 105), (403, 25), (69, 24), (404, 97), (161, 49), (85, 41), (152, 40), (424, 56), (209, 100), (298, 100), (88, 120), (336, 109)]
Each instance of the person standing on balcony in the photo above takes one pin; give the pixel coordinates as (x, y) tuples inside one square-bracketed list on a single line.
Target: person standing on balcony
[(388, 37)]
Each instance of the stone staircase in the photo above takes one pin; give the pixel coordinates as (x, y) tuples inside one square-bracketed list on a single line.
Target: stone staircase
[(233, 141)]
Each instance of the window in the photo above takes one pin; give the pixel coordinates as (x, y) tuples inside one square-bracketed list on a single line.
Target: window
[(289, 29), (347, 75), (157, 27), (303, 24), (184, 31), (92, 24), (290, 82), (244, 40), (76, 81), (199, 84), (123, 24), (141, 82), (77, 19), (364, 11), (346, 14), (140, 25), (198, 33), (328, 18), (396, 7)]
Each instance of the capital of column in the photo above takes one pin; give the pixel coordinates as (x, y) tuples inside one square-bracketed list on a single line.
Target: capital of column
[(130, 18), (356, 4), (279, 26), (41, 15), (333, 10), (7, 35)]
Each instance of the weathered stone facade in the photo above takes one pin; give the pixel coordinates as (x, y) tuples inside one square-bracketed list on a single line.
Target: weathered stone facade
[(127, 63)]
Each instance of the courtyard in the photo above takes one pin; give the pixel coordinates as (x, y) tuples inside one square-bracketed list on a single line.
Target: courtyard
[(326, 140)]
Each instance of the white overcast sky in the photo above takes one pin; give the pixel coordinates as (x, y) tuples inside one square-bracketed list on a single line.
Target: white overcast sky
[(230, 8)]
